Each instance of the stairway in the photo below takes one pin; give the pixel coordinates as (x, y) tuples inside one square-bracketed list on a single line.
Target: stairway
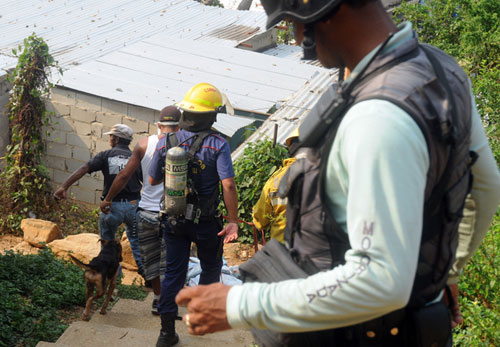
[(129, 323)]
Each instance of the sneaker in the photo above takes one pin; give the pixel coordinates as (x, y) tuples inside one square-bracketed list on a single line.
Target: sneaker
[(154, 307)]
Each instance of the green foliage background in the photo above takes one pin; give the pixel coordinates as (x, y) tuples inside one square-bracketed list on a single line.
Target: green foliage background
[(25, 182), (24, 179), (34, 291), (40, 294), (469, 30), (258, 162)]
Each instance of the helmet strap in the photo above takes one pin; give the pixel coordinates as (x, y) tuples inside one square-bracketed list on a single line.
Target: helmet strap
[(221, 109), (309, 44)]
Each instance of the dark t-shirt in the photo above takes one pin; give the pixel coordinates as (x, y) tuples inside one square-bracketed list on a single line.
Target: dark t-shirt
[(111, 162), (214, 159)]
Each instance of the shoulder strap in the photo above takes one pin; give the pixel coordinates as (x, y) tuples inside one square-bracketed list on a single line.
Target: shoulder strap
[(198, 141), (437, 194), (171, 140)]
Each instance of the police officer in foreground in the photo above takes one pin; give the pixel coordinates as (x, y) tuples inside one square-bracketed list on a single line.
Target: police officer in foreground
[(376, 206), (207, 158)]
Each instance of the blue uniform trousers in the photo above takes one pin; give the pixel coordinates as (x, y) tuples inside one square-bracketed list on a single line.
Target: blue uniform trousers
[(178, 245)]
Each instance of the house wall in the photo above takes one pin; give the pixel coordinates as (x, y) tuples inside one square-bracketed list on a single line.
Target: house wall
[(76, 134)]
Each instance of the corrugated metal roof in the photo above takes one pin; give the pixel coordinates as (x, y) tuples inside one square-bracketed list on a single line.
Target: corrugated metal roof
[(290, 52), (6, 63), (82, 30), (291, 113), (156, 72), (132, 51), (255, 6)]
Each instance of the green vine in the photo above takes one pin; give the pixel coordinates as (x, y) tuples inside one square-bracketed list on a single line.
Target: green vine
[(285, 33), (24, 179)]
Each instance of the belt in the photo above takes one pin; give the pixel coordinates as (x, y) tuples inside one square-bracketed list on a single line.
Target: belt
[(141, 209), (132, 202)]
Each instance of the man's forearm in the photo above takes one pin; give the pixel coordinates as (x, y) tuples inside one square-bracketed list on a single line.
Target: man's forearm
[(231, 201), (75, 176)]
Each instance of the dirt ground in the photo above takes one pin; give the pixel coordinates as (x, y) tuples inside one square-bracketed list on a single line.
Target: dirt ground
[(237, 253), (8, 242)]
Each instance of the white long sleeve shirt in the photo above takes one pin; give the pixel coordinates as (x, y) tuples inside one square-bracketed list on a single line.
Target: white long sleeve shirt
[(376, 177)]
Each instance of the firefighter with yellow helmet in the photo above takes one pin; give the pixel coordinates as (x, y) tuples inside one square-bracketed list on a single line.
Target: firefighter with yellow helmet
[(191, 163), (270, 210)]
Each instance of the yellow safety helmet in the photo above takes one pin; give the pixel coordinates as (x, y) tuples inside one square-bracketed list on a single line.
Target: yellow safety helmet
[(293, 135), (201, 98)]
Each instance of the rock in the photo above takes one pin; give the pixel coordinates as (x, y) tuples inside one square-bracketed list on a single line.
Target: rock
[(128, 258), (38, 231), (87, 246), (236, 253), (84, 246), (131, 277), (25, 247)]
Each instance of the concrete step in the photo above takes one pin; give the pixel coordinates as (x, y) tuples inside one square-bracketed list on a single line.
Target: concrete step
[(130, 313), (85, 334), (45, 344), (130, 323)]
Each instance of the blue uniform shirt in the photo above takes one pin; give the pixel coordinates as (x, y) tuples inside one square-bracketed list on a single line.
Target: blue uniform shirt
[(214, 158)]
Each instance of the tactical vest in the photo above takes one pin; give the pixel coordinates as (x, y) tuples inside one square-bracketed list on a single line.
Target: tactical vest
[(431, 87)]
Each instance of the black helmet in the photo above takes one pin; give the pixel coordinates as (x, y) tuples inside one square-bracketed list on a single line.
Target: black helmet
[(304, 11)]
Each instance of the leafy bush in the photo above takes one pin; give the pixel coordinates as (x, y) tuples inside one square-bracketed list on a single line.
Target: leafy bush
[(479, 299), (40, 294), (470, 32), (25, 180), (34, 289), (258, 162), (285, 33)]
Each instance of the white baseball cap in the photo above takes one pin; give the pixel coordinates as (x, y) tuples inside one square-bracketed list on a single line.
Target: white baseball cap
[(121, 130)]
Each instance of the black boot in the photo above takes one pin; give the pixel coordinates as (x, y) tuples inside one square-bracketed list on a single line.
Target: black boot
[(167, 337)]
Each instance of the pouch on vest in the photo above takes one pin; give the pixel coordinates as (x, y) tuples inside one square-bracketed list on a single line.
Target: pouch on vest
[(432, 324), (274, 263)]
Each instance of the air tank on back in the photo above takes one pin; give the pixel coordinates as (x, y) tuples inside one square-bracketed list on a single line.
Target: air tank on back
[(176, 169)]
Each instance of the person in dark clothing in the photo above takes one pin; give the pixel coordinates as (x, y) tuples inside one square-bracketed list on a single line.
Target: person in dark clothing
[(123, 210), (213, 167)]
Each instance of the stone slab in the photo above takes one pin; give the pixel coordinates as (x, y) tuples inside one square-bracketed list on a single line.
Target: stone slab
[(137, 314)]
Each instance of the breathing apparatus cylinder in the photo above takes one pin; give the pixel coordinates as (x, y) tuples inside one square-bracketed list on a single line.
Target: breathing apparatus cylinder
[(176, 170)]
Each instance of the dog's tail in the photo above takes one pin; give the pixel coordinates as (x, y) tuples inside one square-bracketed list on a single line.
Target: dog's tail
[(79, 263)]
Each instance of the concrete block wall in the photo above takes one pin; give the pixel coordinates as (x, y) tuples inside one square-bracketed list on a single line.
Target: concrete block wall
[(75, 134)]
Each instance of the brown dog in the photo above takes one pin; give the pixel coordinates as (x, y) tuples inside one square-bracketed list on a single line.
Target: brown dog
[(101, 272)]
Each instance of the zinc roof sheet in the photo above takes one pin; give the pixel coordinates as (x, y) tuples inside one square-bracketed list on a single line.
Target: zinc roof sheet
[(155, 72), (82, 30), (292, 112)]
